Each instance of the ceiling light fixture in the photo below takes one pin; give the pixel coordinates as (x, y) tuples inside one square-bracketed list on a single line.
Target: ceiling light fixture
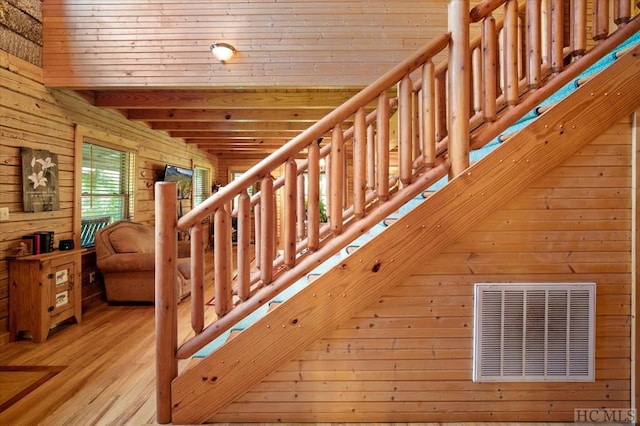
[(222, 51)]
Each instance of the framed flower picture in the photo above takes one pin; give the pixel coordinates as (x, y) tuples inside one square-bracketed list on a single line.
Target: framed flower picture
[(39, 180)]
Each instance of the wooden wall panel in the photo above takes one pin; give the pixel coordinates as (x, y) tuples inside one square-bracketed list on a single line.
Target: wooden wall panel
[(34, 116), (283, 43), (408, 357)]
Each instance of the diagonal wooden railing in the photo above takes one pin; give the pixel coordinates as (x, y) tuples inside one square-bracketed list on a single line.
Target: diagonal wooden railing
[(483, 86)]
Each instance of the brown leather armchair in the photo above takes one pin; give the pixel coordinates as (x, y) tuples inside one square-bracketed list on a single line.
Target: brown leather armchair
[(125, 254)]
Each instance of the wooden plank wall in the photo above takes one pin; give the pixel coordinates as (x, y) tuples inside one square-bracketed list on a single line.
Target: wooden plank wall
[(282, 43), (37, 117), (408, 357)]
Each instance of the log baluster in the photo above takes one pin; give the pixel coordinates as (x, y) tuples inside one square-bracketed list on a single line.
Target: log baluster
[(289, 214), (415, 124), (267, 231), (313, 197), (371, 157), (300, 207), (510, 44), (477, 82), (545, 30), (359, 163), (522, 49), (534, 47), (489, 68), (337, 179), (459, 72), (557, 36), (600, 20), (622, 12), (382, 147), (243, 245), (578, 27), (222, 257), (257, 224), (197, 278), (441, 106), (428, 110), (404, 144), (327, 173)]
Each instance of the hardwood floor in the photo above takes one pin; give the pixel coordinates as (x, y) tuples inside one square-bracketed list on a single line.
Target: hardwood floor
[(109, 374), (109, 369)]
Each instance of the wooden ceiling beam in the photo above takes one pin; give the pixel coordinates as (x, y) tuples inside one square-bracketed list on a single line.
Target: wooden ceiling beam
[(205, 99), (237, 142), (229, 126), (226, 115), (236, 136)]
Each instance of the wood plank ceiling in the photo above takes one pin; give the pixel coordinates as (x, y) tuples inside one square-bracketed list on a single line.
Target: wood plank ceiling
[(296, 61)]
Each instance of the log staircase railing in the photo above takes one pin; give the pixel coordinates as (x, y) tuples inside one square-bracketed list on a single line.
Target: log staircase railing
[(444, 110)]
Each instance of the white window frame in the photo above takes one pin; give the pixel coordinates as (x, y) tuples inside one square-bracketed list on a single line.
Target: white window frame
[(126, 191)]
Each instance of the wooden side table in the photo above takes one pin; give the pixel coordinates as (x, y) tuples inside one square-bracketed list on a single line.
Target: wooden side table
[(44, 290)]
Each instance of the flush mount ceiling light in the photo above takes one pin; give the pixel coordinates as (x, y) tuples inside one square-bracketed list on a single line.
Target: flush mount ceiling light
[(222, 51)]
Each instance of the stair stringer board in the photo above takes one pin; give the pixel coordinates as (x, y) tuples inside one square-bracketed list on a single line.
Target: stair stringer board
[(377, 266)]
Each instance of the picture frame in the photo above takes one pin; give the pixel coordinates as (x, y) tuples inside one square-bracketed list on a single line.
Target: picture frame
[(39, 180)]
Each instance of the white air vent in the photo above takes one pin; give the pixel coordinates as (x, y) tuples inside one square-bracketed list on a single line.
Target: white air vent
[(534, 332)]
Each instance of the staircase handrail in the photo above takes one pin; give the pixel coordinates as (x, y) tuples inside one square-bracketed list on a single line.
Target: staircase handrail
[(313, 132)]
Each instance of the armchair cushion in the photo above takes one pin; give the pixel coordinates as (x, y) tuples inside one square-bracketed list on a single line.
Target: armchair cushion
[(125, 254), (133, 239)]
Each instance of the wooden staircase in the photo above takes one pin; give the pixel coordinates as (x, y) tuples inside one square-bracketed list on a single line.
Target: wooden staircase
[(370, 271), (360, 278)]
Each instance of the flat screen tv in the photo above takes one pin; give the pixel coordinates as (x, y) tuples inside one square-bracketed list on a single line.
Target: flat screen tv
[(183, 179)]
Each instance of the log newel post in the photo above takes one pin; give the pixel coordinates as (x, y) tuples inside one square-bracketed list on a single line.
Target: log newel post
[(197, 278), (166, 296), (459, 76)]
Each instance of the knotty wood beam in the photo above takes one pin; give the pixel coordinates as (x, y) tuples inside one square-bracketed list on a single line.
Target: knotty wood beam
[(193, 99), (257, 135), (230, 126), (211, 114)]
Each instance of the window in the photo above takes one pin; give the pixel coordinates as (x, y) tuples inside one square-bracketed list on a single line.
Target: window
[(201, 185), (107, 188)]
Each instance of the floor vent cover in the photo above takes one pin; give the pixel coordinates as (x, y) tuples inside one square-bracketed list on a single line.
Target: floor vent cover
[(534, 332)]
